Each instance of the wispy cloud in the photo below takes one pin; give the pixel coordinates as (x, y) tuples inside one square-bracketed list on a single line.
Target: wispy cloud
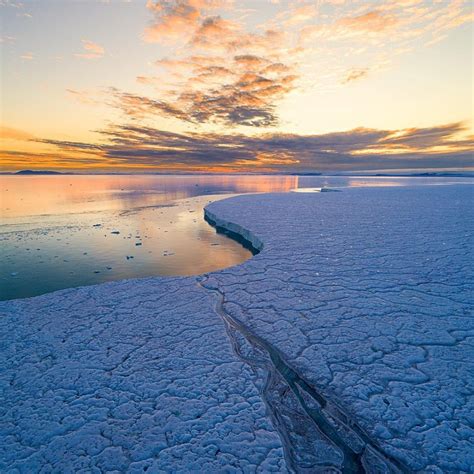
[(372, 21), (28, 56), (7, 39), (92, 50), (136, 106), (369, 36), (9, 133), (83, 97), (19, 6), (355, 74), (11, 3)]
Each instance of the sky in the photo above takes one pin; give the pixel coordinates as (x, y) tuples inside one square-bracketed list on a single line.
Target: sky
[(263, 86)]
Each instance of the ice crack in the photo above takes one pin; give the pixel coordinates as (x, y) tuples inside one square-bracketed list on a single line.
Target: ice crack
[(316, 435)]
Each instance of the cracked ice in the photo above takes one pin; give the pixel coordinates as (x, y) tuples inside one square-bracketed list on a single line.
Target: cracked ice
[(346, 343)]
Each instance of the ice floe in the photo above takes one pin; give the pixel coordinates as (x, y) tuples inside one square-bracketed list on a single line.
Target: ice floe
[(344, 345), (367, 296)]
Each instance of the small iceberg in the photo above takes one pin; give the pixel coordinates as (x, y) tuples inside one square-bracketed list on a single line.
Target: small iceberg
[(315, 190)]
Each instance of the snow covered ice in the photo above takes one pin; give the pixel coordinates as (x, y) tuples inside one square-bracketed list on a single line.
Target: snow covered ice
[(367, 295), (345, 345), (127, 376)]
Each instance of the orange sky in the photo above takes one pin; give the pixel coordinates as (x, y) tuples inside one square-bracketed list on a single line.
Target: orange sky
[(223, 86)]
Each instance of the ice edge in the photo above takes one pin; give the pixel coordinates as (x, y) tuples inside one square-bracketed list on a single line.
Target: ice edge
[(234, 231)]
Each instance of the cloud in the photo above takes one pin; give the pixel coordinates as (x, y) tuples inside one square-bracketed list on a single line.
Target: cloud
[(375, 33), (18, 5), (355, 74), (299, 14), (223, 73), (372, 21), (320, 44), (27, 56), (244, 92), (175, 19), (137, 106), (214, 33), (93, 50), (7, 39), (228, 106), (17, 160), (250, 61), (9, 133), (424, 137), (359, 149), (83, 97)]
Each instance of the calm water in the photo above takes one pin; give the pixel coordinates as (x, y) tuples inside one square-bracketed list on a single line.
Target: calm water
[(66, 231)]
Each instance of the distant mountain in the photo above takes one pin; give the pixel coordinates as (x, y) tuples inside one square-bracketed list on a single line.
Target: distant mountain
[(431, 174), (305, 173), (29, 172)]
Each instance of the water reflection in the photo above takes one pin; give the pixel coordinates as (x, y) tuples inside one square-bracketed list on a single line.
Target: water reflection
[(87, 248), (66, 231), (68, 194), (42, 195)]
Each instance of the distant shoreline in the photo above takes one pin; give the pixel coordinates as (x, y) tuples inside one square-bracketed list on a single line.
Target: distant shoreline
[(428, 174)]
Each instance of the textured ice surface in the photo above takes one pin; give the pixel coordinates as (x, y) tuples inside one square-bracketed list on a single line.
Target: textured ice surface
[(367, 294), (129, 376), (346, 343)]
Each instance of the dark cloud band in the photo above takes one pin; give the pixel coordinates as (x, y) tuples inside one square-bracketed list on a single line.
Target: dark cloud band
[(359, 149)]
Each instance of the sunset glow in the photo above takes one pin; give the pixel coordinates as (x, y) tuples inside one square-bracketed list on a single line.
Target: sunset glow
[(224, 86)]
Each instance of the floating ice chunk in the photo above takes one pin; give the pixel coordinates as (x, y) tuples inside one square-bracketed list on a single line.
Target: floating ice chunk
[(306, 190), (314, 190)]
